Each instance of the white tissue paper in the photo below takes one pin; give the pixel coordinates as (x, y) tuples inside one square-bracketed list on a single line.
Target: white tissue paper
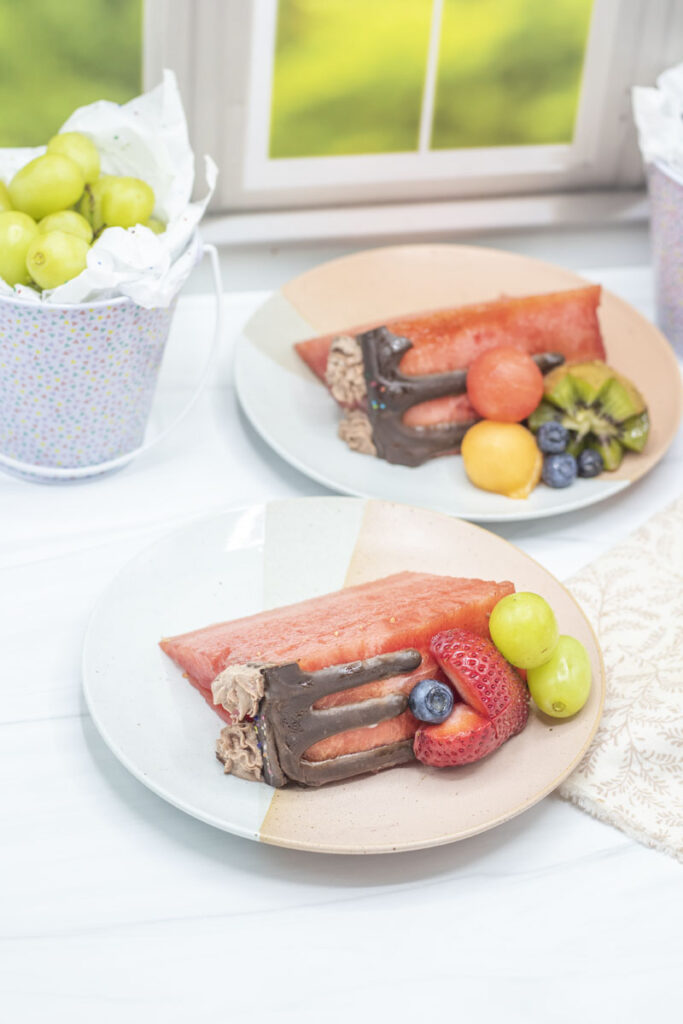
[(658, 114), (146, 138)]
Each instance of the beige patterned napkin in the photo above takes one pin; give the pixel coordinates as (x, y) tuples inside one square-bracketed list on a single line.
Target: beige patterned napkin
[(632, 775)]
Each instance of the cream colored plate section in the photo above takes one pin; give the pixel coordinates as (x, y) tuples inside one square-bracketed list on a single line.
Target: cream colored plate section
[(405, 278), (413, 806), (294, 414)]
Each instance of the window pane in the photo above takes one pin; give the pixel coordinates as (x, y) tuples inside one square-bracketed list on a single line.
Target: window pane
[(509, 72), (348, 76), (57, 55)]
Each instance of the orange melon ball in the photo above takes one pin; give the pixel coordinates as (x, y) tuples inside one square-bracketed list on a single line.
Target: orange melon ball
[(502, 457)]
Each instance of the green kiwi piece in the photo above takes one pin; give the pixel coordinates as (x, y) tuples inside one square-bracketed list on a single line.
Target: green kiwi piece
[(589, 378), (543, 413), (610, 449), (618, 402), (635, 431), (560, 390), (585, 390), (575, 445), (586, 380), (600, 408)]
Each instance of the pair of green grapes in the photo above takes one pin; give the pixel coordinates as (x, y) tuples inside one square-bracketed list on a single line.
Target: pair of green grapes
[(57, 204), (524, 629)]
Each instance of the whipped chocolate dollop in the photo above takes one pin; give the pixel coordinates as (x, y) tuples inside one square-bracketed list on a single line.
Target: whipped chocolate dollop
[(345, 375), (355, 429), (238, 749), (239, 689)]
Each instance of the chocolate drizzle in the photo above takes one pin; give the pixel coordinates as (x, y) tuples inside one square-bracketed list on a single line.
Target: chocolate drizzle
[(391, 393), (288, 724)]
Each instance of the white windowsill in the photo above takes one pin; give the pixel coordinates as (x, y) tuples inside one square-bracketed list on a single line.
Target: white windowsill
[(427, 220), (264, 251)]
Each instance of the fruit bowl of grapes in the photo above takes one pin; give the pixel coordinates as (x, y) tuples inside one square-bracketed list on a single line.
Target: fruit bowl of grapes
[(57, 204), (98, 234)]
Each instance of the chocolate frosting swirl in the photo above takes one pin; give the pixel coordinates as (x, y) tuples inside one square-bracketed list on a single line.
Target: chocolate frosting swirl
[(238, 750)]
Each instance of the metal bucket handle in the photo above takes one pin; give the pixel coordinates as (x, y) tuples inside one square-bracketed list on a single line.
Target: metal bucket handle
[(64, 473)]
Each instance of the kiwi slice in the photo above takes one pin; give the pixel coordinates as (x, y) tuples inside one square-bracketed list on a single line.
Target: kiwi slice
[(576, 445), (590, 379), (635, 431), (560, 390), (600, 407), (610, 449), (543, 413), (617, 401)]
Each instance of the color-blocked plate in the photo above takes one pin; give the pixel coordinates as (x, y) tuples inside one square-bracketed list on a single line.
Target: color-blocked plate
[(244, 560), (295, 415)]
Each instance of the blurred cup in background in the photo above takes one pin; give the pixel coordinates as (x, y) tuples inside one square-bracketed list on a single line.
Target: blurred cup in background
[(666, 232)]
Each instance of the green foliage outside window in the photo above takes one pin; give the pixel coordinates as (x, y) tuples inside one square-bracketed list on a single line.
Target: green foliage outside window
[(57, 55), (349, 74), (509, 72)]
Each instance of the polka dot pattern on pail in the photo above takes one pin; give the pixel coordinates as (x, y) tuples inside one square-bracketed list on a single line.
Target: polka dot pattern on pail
[(666, 234), (76, 383)]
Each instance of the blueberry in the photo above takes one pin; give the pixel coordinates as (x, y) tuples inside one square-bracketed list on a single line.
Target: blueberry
[(431, 701), (590, 463), (552, 437), (559, 470)]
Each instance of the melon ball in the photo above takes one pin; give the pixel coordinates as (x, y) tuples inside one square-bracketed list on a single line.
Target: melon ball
[(502, 457), (504, 384)]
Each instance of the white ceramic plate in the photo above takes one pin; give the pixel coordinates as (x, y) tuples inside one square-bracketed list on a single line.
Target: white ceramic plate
[(294, 414), (248, 559)]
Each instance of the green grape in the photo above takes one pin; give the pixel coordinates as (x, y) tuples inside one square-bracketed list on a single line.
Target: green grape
[(80, 149), (56, 257), (17, 231), (67, 220), (5, 201), (127, 201), (524, 629), (90, 205), (49, 183), (561, 686), (157, 226)]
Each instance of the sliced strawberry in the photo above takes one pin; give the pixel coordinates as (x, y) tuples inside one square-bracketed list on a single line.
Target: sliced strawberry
[(465, 736), (496, 702), (483, 678)]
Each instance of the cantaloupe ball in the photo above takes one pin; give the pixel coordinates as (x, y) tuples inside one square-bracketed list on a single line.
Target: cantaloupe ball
[(502, 457)]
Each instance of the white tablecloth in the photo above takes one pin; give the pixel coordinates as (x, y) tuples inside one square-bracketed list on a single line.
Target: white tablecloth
[(114, 906)]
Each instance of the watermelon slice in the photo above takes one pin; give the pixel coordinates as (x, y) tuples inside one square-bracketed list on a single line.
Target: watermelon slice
[(450, 339), (396, 613)]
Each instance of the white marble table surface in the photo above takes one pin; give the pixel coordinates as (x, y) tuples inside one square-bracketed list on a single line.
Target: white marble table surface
[(115, 906)]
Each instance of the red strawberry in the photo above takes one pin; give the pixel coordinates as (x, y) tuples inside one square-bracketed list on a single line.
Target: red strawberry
[(494, 695), (465, 736), (483, 678)]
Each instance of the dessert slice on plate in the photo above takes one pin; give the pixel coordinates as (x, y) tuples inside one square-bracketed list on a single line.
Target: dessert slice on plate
[(318, 691), (402, 383)]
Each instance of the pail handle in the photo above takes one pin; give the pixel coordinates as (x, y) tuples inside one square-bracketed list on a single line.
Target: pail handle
[(64, 473)]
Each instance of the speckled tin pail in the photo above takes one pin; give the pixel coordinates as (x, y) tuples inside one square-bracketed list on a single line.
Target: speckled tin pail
[(77, 383), (666, 233)]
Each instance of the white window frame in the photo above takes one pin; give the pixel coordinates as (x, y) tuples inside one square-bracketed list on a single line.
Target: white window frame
[(262, 172), (216, 48)]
